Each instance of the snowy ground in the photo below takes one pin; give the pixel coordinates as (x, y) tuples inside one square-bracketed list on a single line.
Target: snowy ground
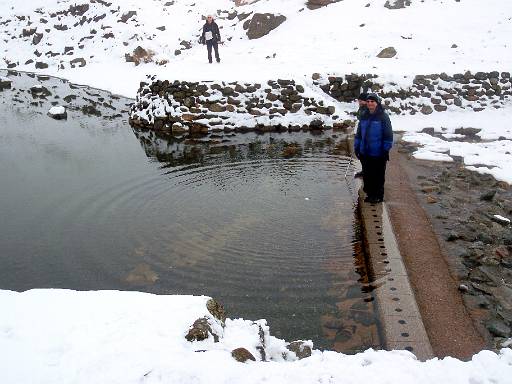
[(51, 336), (61, 336), (492, 154)]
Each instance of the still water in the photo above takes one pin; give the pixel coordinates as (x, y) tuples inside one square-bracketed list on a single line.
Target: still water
[(263, 223)]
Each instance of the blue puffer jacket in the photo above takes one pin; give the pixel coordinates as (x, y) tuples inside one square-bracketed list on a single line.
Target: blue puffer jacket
[(374, 136)]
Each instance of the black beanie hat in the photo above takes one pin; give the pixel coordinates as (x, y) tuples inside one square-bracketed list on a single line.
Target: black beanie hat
[(373, 96), (363, 96)]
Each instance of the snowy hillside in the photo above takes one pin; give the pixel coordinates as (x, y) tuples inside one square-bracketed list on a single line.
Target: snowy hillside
[(428, 36)]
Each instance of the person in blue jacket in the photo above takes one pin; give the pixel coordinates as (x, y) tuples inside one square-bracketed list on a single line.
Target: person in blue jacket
[(372, 143)]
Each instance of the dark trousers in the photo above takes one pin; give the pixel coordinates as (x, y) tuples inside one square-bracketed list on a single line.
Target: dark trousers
[(374, 175), (209, 44)]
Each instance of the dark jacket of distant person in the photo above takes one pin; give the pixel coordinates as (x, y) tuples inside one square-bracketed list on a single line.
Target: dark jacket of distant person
[(214, 29)]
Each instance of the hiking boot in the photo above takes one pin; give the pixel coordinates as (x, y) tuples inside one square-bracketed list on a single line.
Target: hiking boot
[(218, 60)]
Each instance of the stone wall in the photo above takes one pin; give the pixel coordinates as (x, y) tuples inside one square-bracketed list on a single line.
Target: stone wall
[(203, 106), (426, 93), (314, 103)]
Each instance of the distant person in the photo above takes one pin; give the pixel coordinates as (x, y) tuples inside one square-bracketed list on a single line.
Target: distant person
[(373, 141), (361, 100), (211, 37)]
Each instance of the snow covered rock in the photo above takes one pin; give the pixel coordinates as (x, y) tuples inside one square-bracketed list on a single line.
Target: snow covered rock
[(262, 23), (216, 309), (302, 349), (139, 55), (39, 91), (201, 330), (58, 113)]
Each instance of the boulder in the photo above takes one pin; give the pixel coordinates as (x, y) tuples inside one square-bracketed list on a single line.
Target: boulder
[(300, 348), (216, 309), (467, 131), (28, 32), (201, 330), (216, 108), (79, 61), (41, 65), (426, 110), (5, 83), (58, 113), (78, 10), (387, 53), (40, 91), (242, 355), (127, 16), (262, 23), (397, 4), (316, 124), (139, 55), (315, 4)]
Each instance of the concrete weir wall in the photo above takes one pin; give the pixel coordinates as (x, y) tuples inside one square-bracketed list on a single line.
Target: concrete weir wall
[(401, 323)]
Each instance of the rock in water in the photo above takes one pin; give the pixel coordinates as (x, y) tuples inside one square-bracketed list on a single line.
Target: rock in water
[(58, 113)]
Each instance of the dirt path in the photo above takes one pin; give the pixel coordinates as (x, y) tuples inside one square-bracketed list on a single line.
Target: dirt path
[(448, 323)]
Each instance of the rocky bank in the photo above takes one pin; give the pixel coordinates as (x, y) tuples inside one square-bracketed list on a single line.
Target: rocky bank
[(462, 205)]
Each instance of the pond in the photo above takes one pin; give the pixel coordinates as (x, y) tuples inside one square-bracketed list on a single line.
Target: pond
[(264, 223)]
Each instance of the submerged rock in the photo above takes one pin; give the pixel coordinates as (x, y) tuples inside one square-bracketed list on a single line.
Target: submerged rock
[(498, 328)]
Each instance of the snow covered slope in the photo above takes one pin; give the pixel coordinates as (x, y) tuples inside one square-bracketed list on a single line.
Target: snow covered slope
[(61, 337), (429, 36)]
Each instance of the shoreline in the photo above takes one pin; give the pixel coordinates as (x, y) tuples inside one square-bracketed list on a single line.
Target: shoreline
[(460, 320)]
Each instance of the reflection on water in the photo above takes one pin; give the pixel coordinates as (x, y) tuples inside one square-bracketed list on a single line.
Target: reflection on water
[(263, 223)]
